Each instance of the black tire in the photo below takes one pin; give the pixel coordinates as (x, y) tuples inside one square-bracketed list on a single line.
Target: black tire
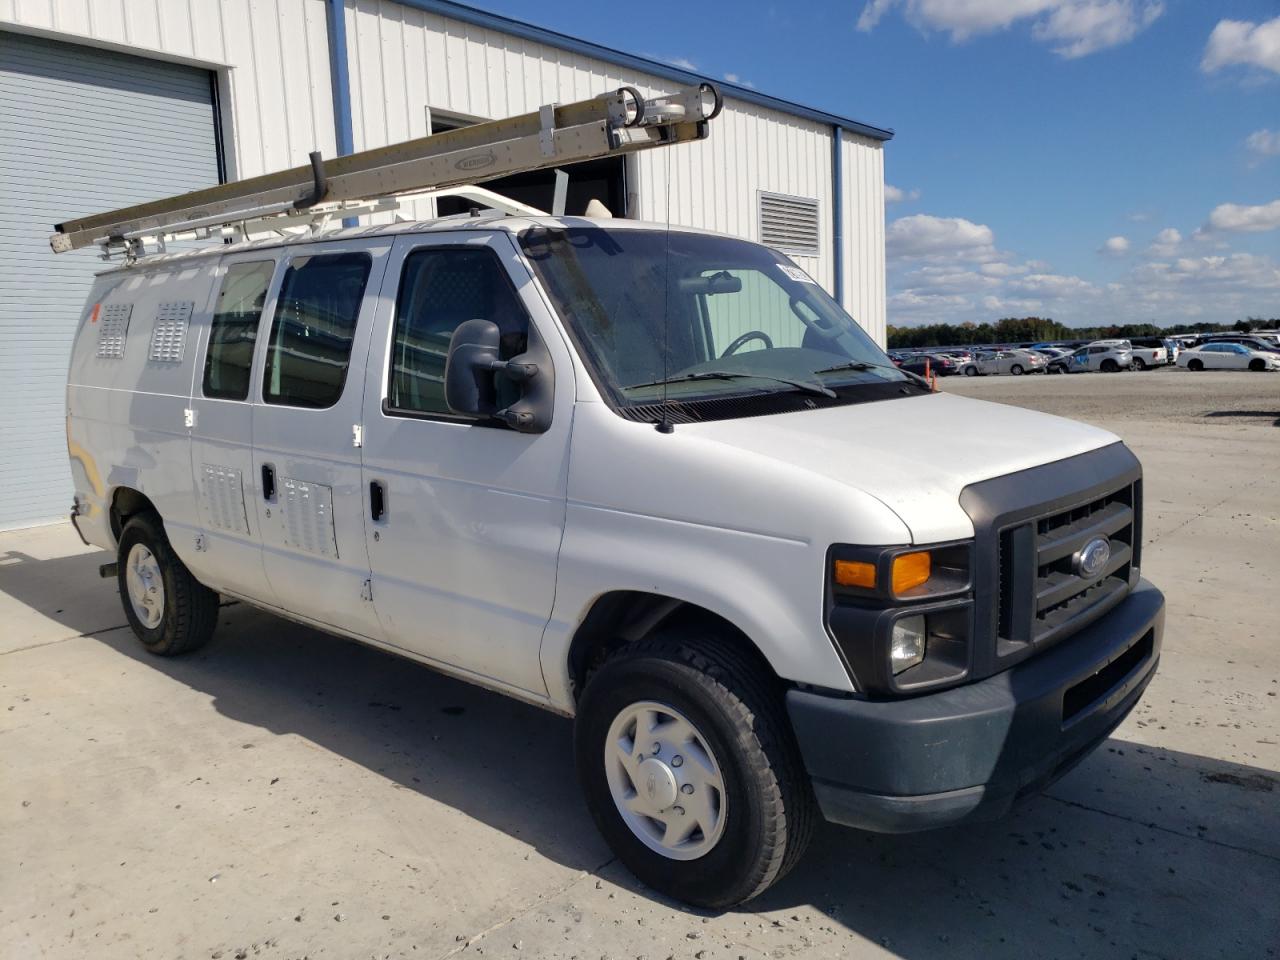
[(735, 703), (1195, 364), (1257, 365), (1110, 366), (1139, 364), (190, 610), (1016, 370)]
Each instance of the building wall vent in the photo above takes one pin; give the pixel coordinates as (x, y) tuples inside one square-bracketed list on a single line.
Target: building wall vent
[(790, 224)]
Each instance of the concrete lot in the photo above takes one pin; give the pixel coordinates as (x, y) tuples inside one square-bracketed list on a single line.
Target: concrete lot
[(286, 794)]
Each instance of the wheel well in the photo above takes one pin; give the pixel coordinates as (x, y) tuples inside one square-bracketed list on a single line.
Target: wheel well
[(624, 616), (127, 503)]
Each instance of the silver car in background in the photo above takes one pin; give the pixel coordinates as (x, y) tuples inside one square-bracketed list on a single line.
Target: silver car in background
[(1014, 362)]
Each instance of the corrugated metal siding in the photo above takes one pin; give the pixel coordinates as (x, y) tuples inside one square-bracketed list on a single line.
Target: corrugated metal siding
[(864, 266), (84, 130), (278, 99), (404, 59)]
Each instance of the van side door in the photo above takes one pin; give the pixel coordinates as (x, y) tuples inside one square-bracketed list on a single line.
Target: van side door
[(222, 426), (467, 515), (306, 432)]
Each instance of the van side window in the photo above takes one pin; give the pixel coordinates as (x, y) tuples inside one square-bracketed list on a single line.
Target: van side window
[(314, 326), (234, 329), (439, 289)]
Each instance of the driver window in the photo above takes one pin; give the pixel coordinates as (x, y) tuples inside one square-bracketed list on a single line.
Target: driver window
[(759, 305), (439, 289)]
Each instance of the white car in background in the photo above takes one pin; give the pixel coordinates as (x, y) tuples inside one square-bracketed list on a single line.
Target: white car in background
[(1106, 356), (1228, 356), (1150, 352), (1015, 362)]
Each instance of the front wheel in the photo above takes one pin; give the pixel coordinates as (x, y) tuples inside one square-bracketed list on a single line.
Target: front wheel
[(170, 611), (970, 371), (690, 770), (1195, 364), (1257, 365)]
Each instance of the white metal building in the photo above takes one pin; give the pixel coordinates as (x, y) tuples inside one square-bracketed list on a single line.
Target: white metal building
[(105, 103)]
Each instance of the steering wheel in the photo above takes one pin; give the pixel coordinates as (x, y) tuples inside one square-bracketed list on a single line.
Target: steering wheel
[(747, 337)]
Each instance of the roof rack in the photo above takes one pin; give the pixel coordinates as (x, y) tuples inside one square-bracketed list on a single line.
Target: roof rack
[(374, 181)]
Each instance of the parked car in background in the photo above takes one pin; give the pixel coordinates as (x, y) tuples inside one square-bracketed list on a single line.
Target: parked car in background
[(1149, 352), (1174, 347), (1014, 362), (1250, 340), (1056, 359), (1228, 356), (924, 363), (1106, 356)]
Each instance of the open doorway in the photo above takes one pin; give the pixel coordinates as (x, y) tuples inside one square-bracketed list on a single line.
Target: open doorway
[(604, 179)]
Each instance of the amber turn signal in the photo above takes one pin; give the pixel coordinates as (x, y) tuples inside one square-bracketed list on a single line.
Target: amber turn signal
[(855, 573), (911, 570)]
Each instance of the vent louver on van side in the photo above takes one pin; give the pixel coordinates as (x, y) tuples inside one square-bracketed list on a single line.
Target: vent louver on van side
[(790, 224), (112, 330), (169, 335)]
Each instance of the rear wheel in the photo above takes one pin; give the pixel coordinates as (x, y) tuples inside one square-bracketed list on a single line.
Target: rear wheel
[(688, 765), (970, 371), (170, 611), (1110, 366), (1257, 365), (1016, 369), (1195, 364), (1139, 364)]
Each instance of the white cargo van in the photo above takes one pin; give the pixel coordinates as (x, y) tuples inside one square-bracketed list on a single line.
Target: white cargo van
[(648, 477)]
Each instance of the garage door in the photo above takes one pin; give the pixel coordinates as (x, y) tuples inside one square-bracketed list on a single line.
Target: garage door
[(84, 130)]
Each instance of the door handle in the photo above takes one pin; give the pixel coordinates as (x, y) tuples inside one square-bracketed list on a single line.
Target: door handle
[(377, 500), (268, 482)]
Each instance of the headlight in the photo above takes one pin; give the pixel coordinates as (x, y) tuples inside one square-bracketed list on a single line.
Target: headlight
[(906, 643)]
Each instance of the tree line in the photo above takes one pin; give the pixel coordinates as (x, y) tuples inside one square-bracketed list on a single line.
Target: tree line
[(1040, 329)]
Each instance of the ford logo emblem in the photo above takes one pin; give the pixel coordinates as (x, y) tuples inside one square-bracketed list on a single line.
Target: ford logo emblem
[(1091, 559)]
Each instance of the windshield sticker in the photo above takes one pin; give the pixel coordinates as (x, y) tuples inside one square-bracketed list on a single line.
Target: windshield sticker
[(795, 273)]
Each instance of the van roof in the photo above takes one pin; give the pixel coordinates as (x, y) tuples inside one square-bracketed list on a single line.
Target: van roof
[(486, 221)]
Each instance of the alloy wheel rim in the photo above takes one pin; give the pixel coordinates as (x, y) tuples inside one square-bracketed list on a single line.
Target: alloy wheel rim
[(145, 585), (665, 780)]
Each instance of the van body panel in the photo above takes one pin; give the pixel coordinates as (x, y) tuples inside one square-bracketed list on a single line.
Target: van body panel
[(128, 389), (914, 454), (464, 557)]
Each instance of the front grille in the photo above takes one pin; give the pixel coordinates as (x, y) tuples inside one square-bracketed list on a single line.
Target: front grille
[(1041, 598)]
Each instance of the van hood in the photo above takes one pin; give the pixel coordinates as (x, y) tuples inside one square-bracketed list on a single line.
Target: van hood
[(914, 454)]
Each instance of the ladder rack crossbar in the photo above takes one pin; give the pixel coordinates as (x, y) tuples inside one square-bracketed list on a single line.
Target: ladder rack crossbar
[(614, 123)]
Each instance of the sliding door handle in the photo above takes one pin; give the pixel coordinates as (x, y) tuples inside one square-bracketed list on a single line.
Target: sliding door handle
[(268, 482), (377, 500)]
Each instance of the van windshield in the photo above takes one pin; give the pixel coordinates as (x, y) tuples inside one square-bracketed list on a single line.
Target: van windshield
[(688, 317)]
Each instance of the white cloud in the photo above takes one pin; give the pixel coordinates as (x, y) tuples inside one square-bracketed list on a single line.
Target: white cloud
[(926, 237), (1052, 286), (1166, 244), (1086, 26), (1265, 143), (1115, 247), (1242, 43), (894, 194), (998, 269), (1237, 218), (684, 63), (1073, 27)]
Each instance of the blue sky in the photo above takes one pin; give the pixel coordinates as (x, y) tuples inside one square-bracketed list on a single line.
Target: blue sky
[(1090, 160)]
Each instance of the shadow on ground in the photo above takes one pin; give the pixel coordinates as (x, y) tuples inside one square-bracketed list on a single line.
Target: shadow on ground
[(1098, 864)]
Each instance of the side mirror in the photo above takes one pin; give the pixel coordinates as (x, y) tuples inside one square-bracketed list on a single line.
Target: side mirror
[(473, 364)]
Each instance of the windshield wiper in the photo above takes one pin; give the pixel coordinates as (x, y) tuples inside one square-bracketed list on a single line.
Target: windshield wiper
[(855, 365), (802, 385)]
